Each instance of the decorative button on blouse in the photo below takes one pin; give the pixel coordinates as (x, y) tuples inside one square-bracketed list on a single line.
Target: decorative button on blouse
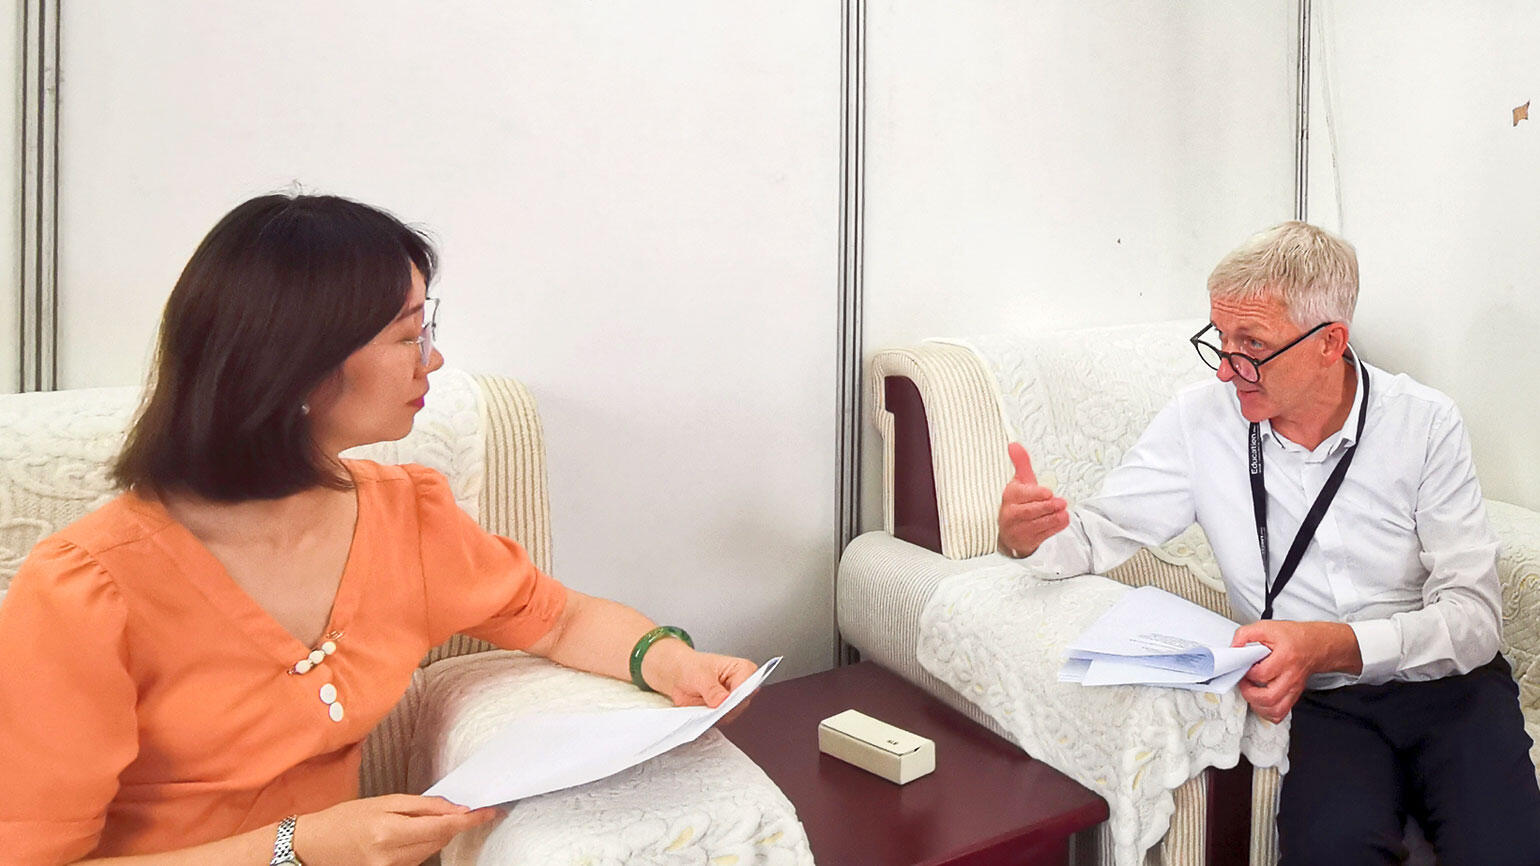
[(317, 655), (333, 706)]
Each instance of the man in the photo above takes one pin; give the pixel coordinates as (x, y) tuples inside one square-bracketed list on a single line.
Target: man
[(1342, 505)]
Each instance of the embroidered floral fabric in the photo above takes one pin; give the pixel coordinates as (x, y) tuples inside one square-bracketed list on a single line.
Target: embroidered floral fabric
[(997, 635)]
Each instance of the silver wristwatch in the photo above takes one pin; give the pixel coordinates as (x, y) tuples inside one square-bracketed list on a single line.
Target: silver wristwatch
[(283, 846)]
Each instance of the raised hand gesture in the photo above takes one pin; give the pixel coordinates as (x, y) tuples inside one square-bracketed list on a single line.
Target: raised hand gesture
[(1029, 512)]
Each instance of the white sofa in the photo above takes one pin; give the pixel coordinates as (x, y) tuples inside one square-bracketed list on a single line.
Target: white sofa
[(929, 595), (696, 804)]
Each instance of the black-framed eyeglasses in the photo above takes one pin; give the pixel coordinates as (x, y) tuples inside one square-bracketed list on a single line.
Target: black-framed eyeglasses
[(1246, 368), (429, 331)]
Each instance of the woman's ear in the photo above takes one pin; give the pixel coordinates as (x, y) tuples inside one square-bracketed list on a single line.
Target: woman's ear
[(325, 394)]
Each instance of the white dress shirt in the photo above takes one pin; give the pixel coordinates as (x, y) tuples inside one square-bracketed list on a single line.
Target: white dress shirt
[(1404, 554)]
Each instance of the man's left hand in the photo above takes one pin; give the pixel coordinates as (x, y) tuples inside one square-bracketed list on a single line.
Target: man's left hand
[(1299, 649)]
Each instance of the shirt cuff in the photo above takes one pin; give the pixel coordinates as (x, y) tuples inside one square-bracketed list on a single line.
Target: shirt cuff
[(1379, 645)]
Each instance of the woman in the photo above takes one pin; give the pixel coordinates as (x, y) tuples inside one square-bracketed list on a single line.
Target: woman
[(203, 655)]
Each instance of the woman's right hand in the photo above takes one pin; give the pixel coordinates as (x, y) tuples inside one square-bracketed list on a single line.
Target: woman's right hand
[(393, 830)]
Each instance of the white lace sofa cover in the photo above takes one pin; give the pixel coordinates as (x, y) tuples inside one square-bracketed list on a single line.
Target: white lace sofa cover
[(981, 633), (483, 434)]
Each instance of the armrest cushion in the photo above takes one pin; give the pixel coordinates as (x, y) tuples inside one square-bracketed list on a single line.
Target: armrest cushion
[(997, 635), (1518, 567), (701, 801), (967, 439)]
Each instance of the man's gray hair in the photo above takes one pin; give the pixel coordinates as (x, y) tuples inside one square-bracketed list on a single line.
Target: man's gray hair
[(1312, 271)]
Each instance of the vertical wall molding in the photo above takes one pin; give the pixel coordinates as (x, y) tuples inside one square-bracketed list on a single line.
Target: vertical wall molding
[(852, 227), (39, 196), (1302, 119)]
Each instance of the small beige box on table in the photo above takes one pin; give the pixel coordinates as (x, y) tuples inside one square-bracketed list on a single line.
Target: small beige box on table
[(876, 746)]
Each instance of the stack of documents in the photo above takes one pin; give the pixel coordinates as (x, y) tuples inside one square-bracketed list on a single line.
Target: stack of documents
[(536, 754), (1151, 637)]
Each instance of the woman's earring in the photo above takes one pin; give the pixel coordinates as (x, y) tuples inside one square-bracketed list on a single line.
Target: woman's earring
[(304, 408)]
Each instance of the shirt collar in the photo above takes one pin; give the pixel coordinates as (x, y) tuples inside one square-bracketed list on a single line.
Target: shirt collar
[(1344, 437)]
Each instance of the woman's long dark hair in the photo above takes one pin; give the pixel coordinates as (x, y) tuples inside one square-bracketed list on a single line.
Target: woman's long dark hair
[(280, 292)]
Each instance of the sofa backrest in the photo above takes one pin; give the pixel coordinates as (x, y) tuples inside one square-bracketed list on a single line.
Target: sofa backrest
[(1077, 400), (55, 447)]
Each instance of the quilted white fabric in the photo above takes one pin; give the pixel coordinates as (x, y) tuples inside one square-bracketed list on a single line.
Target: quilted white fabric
[(55, 447), (1078, 400), (997, 635), (702, 803)]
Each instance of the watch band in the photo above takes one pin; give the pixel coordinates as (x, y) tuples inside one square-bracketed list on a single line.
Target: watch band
[(283, 844)]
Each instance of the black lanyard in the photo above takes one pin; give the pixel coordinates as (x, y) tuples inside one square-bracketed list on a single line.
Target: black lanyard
[(1317, 510)]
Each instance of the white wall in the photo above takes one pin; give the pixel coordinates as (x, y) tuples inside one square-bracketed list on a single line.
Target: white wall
[(1440, 193), (1062, 164), (638, 214)]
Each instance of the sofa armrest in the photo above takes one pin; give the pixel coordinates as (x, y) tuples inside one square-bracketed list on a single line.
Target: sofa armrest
[(1518, 568), (702, 802), (958, 415), (997, 635), (883, 584)]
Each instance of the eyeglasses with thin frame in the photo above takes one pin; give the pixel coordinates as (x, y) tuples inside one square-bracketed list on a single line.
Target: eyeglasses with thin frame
[(1247, 368), (429, 331)]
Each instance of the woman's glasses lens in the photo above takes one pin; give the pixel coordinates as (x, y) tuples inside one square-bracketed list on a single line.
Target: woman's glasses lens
[(429, 330)]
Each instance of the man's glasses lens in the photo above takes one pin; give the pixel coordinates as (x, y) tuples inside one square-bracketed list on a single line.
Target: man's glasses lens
[(1244, 366)]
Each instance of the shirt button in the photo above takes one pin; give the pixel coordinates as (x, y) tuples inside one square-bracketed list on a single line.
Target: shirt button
[(316, 657), (329, 647), (329, 693), (303, 666), (335, 712)]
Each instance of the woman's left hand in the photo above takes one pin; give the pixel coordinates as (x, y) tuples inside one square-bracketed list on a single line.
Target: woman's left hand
[(690, 678)]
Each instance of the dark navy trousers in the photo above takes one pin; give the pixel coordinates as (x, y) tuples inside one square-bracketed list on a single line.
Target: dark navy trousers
[(1451, 753)]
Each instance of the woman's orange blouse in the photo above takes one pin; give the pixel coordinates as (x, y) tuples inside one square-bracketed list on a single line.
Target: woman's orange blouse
[(148, 703)]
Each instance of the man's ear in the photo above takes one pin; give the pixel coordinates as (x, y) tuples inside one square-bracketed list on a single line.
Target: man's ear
[(1336, 342)]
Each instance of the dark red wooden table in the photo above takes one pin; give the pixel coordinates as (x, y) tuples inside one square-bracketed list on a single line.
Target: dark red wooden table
[(987, 802)]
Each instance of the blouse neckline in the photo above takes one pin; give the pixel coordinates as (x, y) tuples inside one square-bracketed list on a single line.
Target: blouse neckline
[(201, 568)]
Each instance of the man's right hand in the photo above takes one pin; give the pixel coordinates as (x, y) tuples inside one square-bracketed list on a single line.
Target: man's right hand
[(1029, 512)]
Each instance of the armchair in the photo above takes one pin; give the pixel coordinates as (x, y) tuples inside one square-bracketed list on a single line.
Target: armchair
[(945, 411), (698, 802)]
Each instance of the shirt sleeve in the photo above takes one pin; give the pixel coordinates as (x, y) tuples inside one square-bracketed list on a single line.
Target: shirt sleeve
[(475, 582), (1146, 500), (67, 705), (1459, 626)]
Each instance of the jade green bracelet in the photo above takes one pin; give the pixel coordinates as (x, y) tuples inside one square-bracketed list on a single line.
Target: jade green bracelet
[(645, 644)]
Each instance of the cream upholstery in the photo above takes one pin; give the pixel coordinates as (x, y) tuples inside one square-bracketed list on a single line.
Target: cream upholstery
[(1079, 399), (484, 434)]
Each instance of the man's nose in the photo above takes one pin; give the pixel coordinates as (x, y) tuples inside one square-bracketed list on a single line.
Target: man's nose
[(1225, 371)]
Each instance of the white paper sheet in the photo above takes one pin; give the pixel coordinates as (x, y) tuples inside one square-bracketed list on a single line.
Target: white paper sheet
[(537, 754), (1152, 637)]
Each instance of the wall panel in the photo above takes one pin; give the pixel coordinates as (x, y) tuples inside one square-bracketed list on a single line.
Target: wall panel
[(1416, 158), (637, 206), (1062, 164)]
